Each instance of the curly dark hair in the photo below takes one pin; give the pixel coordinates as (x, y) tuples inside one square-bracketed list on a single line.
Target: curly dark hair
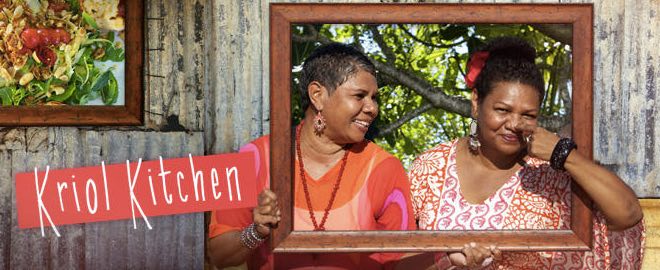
[(331, 65), (510, 59)]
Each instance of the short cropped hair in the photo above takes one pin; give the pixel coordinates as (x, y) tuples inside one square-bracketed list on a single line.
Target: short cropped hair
[(331, 65)]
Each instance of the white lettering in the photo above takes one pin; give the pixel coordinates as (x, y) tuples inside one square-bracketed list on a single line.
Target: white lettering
[(151, 186), (229, 172), (215, 183), (198, 178), (75, 194), (40, 202), (131, 186), (105, 186), (60, 187), (162, 174), (96, 199), (179, 176)]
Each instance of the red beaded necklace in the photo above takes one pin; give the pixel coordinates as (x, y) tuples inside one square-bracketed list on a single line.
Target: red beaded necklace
[(318, 227)]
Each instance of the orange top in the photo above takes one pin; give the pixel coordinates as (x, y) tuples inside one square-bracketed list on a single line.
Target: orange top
[(374, 194)]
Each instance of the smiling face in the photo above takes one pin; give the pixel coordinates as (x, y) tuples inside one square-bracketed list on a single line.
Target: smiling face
[(351, 108), (502, 113)]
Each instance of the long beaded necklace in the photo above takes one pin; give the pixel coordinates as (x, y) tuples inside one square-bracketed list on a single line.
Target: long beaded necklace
[(321, 226)]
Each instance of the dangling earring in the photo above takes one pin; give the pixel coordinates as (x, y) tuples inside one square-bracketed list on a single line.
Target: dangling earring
[(473, 141), (319, 123)]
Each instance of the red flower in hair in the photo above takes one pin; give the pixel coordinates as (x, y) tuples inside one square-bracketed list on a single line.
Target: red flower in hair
[(474, 67)]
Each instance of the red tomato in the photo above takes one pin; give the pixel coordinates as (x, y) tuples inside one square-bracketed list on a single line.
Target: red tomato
[(61, 36), (46, 56), (36, 37), (30, 38)]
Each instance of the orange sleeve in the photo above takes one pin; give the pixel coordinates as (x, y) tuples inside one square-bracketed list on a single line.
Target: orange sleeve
[(223, 221), (389, 191), (229, 220), (390, 197)]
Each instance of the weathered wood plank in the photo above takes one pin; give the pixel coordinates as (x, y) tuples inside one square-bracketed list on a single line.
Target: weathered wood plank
[(65, 149), (608, 35), (58, 148), (175, 242), (29, 250), (12, 139), (176, 65), (237, 92), (105, 242), (6, 185), (625, 87)]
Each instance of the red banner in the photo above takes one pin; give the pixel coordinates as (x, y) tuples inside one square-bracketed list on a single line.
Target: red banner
[(136, 190)]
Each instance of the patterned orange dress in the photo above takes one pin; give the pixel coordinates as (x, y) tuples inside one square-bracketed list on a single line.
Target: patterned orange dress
[(374, 194), (535, 197)]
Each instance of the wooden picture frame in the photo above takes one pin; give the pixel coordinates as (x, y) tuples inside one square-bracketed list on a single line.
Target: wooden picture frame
[(131, 113), (283, 16)]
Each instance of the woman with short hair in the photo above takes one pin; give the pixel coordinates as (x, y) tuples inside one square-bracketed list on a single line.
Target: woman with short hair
[(342, 181)]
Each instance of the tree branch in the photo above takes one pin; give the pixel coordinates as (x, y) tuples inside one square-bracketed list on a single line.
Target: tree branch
[(313, 36), (382, 131), (435, 97), (387, 51), (443, 46), (556, 32)]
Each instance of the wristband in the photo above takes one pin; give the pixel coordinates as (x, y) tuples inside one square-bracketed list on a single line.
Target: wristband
[(250, 238), (561, 152)]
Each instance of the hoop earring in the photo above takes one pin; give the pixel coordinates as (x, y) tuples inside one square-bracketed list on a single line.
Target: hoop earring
[(473, 141), (319, 123)]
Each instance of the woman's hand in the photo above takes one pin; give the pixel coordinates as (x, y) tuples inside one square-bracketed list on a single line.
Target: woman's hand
[(230, 249), (267, 213), (600, 184), (540, 142), (475, 256)]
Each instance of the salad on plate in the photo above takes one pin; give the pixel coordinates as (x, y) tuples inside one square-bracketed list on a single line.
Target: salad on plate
[(61, 52)]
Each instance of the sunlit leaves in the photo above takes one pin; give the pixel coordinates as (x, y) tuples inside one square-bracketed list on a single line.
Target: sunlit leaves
[(438, 55)]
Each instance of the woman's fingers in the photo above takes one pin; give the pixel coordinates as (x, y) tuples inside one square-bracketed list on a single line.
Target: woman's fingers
[(540, 143), (468, 250), (267, 214), (497, 253), (457, 259), (480, 253), (264, 224), (527, 129), (266, 196), (474, 255), (266, 220), (268, 204), (269, 194), (264, 209)]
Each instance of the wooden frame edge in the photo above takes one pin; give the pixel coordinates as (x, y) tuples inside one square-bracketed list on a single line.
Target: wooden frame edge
[(282, 16)]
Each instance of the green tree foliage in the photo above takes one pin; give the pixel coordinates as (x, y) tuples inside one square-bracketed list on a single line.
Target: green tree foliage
[(423, 97)]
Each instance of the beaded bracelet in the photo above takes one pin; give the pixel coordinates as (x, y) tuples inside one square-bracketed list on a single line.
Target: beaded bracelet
[(250, 238), (561, 152)]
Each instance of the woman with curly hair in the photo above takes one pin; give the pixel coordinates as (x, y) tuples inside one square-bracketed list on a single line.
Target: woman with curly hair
[(512, 174)]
